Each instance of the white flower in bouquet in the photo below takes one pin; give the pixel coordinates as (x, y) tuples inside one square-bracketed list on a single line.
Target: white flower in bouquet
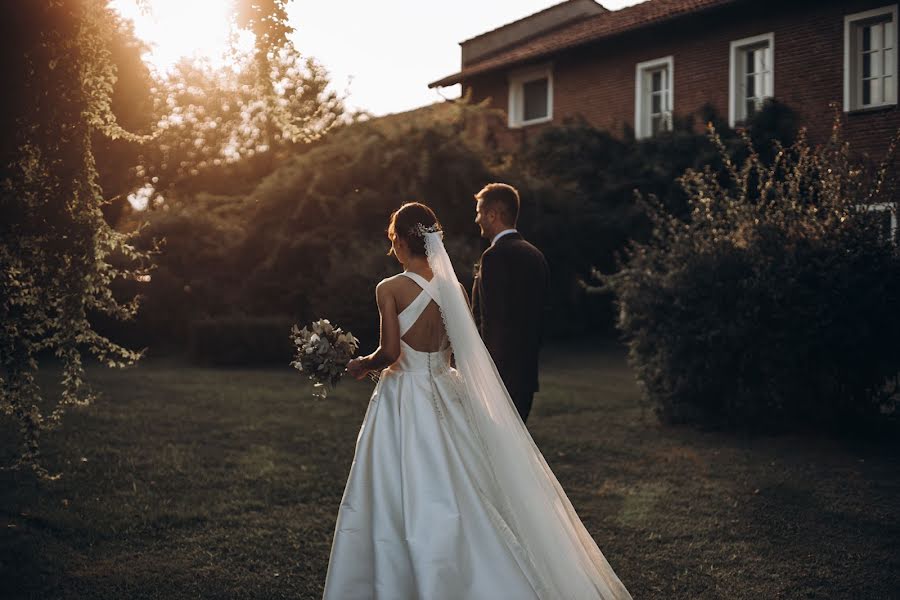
[(323, 352)]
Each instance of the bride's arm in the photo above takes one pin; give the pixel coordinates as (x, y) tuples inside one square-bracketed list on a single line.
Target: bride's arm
[(388, 350)]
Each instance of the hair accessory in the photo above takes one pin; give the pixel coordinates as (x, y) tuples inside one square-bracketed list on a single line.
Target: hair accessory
[(420, 230)]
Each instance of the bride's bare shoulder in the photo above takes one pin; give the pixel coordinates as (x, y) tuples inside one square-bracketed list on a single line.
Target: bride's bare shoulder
[(391, 282), (389, 285)]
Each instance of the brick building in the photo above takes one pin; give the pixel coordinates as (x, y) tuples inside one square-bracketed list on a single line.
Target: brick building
[(635, 68)]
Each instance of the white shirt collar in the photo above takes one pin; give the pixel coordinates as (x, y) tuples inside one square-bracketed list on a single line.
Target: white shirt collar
[(501, 234)]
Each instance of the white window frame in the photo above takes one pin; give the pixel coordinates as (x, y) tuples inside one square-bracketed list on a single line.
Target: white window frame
[(736, 104), (516, 107), (851, 102), (640, 130), (882, 207)]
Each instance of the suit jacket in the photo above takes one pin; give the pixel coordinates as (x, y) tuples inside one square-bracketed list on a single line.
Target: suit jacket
[(509, 299)]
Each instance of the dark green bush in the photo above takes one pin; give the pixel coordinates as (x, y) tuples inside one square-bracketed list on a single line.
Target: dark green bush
[(241, 340), (775, 302), (584, 182), (309, 240)]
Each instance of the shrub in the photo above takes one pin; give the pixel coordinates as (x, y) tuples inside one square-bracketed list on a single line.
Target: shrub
[(584, 180), (241, 340), (774, 302), (308, 241)]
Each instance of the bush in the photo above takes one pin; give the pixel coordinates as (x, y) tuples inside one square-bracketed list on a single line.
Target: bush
[(308, 240), (774, 303), (241, 340), (585, 181)]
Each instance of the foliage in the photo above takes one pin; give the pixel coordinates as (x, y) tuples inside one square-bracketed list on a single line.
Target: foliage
[(60, 259), (215, 117), (56, 255), (240, 340), (192, 279), (132, 104), (773, 303), (308, 241), (584, 180)]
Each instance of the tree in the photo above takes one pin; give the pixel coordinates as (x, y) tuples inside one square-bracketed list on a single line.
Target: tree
[(55, 259), (58, 255), (213, 117)]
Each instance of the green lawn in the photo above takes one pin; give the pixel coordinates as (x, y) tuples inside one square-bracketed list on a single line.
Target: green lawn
[(184, 482)]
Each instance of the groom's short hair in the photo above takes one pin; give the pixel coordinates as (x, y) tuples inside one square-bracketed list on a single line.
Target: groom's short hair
[(503, 198)]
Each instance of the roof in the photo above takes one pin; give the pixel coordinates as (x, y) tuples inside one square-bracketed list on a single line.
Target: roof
[(525, 18), (517, 32), (589, 30)]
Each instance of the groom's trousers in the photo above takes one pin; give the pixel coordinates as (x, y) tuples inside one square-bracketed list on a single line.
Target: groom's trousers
[(523, 403)]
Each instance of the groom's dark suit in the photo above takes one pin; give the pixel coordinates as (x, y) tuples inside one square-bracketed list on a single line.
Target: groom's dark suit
[(508, 300)]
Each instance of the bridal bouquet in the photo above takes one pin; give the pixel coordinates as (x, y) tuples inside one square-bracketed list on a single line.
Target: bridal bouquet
[(323, 352)]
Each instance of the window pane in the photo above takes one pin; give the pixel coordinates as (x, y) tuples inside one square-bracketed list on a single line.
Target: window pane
[(889, 62), (877, 97), (535, 97), (888, 34), (866, 65), (656, 103), (751, 86), (749, 107), (759, 58), (877, 40), (656, 81), (749, 61), (866, 38), (885, 218), (867, 92), (890, 91), (656, 123)]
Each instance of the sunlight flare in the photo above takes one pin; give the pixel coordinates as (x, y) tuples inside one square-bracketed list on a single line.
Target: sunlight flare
[(177, 29)]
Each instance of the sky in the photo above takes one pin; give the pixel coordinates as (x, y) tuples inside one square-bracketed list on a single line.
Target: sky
[(382, 53)]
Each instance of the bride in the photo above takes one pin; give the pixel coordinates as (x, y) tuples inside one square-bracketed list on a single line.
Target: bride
[(448, 497)]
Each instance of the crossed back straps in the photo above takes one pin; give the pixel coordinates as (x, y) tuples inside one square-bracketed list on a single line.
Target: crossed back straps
[(411, 313)]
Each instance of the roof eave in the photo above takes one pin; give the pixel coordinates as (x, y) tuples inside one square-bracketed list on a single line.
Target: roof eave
[(465, 73), (447, 81)]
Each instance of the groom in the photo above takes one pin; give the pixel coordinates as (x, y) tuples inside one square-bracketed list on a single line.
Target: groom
[(509, 295)]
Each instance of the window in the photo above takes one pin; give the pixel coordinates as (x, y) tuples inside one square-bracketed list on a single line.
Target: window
[(870, 68), (752, 76), (887, 213), (530, 97), (653, 97)]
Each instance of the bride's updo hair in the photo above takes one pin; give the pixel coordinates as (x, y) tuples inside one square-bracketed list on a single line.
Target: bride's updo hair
[(405, 223)]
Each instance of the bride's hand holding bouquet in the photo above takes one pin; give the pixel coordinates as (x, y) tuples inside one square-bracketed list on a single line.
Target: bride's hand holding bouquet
[(357, 368), (324, 353)]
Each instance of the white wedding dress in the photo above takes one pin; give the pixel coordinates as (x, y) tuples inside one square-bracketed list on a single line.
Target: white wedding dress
[(433, 508)]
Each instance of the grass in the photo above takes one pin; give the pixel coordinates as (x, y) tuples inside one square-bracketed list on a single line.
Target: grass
[(200, 483)]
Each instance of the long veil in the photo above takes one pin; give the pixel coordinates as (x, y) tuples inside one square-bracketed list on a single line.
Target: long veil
[(542, 529)]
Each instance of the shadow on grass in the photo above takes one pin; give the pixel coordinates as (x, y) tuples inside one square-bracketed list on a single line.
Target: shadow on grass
[(185, 482)]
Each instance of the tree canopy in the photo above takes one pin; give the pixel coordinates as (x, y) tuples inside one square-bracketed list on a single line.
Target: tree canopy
[(84, 123)]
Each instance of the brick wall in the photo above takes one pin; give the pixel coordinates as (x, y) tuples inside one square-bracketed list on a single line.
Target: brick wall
[(597, 82)]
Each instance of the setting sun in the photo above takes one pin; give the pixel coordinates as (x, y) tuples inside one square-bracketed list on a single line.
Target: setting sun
[(181, 28)]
